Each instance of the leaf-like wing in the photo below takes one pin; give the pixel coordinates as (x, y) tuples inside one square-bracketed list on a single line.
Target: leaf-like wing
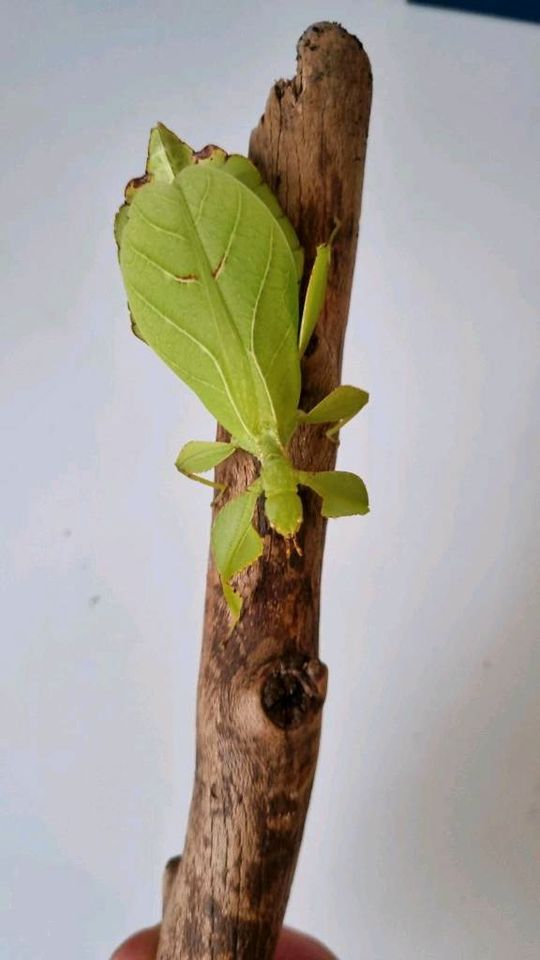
[(168, 155), (343, 494), (120, 221), (235, 543), (246, 172), (211, 284)]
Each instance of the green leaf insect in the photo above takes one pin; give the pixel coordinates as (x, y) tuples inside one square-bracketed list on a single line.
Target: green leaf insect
[(212, 268)]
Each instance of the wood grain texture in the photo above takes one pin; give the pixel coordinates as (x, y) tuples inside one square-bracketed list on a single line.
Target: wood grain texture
[(261, 690)]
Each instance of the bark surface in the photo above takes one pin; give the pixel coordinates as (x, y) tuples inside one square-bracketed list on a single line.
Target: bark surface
[(261, 690)]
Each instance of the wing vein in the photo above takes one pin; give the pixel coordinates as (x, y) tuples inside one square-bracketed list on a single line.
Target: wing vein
[(155, 226), (232, 237), (278, 349), (193, 339), (202, 202), (154, 263), (254, 315), (211, 285)]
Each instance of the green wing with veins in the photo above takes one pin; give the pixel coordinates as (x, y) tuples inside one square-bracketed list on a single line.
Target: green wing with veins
[(216, 297)]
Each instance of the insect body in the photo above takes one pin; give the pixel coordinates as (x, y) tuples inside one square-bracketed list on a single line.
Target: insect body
[(211, 268)]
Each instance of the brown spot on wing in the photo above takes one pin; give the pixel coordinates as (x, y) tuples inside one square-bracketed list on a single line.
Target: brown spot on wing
[(207, 151), (216, 272), (134, 184), (188, 278)]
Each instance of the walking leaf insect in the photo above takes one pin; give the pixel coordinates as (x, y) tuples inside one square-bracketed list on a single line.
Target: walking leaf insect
[(212, 268)]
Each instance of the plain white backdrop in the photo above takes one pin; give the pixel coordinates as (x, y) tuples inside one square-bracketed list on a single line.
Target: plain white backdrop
[(423, 837)]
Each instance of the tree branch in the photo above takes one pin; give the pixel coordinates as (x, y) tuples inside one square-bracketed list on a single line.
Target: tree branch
[(261, 691)]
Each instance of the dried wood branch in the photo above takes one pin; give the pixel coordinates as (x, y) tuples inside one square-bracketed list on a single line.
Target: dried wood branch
[(261, 691)]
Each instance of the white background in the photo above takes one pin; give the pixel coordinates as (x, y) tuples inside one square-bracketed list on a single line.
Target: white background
[(423, 838)]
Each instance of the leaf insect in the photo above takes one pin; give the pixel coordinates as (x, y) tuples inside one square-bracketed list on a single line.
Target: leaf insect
[(212, 267)]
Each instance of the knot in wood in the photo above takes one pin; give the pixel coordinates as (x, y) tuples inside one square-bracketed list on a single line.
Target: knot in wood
[(293, 691)]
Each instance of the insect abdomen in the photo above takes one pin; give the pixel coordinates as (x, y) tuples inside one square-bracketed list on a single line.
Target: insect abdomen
[(283, 506), (284, 512)]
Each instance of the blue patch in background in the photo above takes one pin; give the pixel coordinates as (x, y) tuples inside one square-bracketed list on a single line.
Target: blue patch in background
[(528, 10)]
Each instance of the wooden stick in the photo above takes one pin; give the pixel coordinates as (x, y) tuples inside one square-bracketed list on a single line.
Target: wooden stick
[(261, 691)]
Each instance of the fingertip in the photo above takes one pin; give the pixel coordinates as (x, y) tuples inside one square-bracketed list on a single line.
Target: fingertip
[(292, 946), (141, 946), (298, 946)]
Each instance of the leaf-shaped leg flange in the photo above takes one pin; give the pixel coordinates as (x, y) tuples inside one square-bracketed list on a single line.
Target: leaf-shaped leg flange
[(235, 543), (198, 456), (343, 494), (340, 406)]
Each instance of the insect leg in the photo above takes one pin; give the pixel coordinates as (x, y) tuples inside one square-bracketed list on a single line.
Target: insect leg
[(316, 292), (198, 456), (340, 406)]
